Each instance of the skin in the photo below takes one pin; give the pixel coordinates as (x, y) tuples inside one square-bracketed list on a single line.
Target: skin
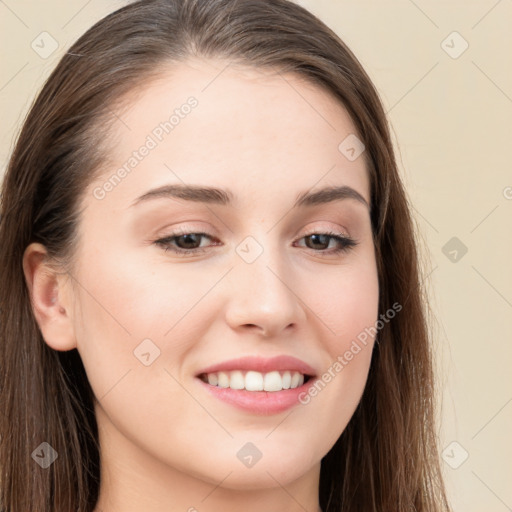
[(167, 444)]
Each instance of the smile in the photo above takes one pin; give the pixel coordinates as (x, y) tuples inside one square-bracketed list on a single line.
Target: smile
[(255, 381)]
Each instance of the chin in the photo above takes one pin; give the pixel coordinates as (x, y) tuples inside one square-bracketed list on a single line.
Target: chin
[(264, 476)]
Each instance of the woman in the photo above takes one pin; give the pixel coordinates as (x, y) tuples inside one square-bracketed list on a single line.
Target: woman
[(210, 293)]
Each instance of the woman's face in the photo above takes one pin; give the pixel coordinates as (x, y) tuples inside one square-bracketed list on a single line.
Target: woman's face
[(261, 292)]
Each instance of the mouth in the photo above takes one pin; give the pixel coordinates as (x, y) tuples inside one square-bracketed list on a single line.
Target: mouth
[(256, 381), (258, 385)]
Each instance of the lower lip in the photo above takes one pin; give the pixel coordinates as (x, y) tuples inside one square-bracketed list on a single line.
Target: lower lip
[(259, 402)]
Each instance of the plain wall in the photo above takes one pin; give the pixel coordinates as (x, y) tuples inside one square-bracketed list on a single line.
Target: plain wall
[(452, 117)]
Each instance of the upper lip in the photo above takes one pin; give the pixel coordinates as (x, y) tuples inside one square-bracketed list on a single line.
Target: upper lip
[(262, 365)]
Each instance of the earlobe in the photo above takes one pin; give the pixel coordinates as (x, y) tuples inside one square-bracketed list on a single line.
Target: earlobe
[(48, 298)]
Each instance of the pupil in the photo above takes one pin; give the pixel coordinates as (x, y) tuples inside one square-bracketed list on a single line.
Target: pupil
[(188, 236), (316, 236)]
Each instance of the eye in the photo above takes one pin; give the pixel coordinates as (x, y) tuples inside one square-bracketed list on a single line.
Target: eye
[(342, 242), (187, 240), (184, 243)]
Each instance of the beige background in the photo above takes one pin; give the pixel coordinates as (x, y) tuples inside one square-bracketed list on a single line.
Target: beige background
[(452, 116)]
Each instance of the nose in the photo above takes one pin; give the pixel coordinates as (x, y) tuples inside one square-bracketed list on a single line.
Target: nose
[(262, 297)]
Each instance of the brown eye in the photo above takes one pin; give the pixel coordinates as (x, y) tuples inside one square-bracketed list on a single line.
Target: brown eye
[(183, 243), (319, 242), (190, 243)]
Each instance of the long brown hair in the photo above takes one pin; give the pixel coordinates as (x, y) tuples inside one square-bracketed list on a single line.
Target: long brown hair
[(386, 460)]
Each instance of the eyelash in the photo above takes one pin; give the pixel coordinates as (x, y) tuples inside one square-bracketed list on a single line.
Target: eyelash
[(346, 243)]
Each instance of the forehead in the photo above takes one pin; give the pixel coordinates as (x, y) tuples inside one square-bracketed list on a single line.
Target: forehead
[(262, 133)]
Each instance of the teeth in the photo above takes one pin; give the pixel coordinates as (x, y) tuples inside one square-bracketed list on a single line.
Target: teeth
[(255, 381), (272, 382), (287, 380), (223, 380), (236, 380)]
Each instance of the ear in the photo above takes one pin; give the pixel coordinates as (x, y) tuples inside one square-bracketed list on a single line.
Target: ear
[(49, 297)]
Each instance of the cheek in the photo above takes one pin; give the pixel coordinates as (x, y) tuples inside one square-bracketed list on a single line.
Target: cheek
[(125, 311), (348, 307), (135, 297), (347, 302), (354, 319)]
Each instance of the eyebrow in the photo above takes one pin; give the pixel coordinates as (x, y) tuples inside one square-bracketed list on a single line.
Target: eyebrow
[(224, 197)]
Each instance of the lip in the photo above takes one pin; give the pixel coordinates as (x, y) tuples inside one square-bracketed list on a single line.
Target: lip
[(260, 402), (262, 365)]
